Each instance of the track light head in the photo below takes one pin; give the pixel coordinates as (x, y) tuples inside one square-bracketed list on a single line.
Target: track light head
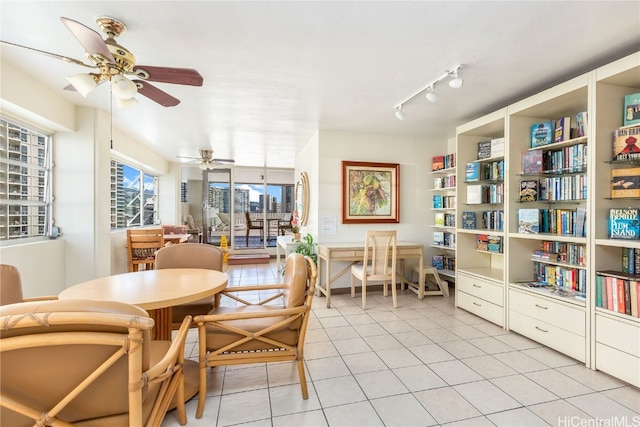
[(456, 81), (399, 113), (431, 95)]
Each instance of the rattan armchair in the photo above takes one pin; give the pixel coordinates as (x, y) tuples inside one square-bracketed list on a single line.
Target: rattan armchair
[(80, 362), (270, 330)]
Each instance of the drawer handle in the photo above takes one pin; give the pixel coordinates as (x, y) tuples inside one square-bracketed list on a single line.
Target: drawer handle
[(542, 307), (476, 286), (540, 329), (475, 303)]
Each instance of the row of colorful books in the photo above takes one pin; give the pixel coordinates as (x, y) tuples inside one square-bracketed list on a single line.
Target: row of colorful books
[(558, 130), (568, 253), (560, 276), (443, 262), (564, 160), (444, 238), (480, 171), (566, 222), (570, 187), (485, 193), (443, 162), (631, 260), (443, 182), (443, 219), (488, 220), (617, 291), (444, 202), (489, 243)]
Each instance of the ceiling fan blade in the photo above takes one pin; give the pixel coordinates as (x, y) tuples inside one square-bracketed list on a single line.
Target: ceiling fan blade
[(53, 55), (155, 94), (90, 40), (224, 160), (179, 76)]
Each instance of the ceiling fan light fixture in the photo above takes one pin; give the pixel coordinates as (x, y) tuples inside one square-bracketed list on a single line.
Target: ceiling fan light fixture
[(83, 83), (126, 103), (123, 88), (205, 165)]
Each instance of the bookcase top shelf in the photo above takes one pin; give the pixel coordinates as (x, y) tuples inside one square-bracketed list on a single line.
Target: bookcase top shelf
[(562, 144)]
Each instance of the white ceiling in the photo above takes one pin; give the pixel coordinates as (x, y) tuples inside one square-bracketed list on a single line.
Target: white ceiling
[(275, 72)]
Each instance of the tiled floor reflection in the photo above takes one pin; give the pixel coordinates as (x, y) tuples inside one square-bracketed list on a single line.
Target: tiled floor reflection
[(425, 363)]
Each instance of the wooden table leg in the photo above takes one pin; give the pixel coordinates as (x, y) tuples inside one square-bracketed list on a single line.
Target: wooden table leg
[(162, 319)]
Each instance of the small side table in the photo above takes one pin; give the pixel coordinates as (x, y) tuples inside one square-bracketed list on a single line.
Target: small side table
[(288, 245)]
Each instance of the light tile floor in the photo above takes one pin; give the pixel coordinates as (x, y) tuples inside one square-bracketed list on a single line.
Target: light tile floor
[(425, 363)]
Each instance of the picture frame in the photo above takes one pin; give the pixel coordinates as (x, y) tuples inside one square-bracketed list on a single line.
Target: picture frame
[(370, 192)]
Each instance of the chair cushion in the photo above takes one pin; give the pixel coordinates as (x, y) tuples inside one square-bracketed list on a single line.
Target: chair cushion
[(218, 337)]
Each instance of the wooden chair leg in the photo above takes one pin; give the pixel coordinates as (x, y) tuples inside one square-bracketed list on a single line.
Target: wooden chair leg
[(303, 379)]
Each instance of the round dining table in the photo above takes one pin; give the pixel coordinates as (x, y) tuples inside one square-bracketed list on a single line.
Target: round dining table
[(156, 291)]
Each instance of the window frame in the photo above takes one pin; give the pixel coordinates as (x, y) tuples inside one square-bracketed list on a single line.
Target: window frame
[(141, 213)]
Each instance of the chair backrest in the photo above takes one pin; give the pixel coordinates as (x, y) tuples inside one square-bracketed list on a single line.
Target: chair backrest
[(190, 255), (380, 252), (74, 360), (143, 243), (224, 218), (10, 285), (299, 277)]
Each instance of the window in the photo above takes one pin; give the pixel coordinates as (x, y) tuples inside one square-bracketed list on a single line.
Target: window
[(134, 196), (25, 181)]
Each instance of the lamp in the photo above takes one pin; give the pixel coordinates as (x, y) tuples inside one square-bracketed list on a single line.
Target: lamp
[(126, 103), (455, 82), (431, 95), (123, 88), (206, 164), (84, 83)]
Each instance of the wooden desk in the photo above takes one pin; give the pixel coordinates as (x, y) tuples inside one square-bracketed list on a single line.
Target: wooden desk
[(354, 253), (177, 238), (153, 290)]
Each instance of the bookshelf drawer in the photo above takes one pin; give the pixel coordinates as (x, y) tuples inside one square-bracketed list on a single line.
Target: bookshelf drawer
[(484, 289), (486, 310), (618, 363), (549, 334), (549, 311), (618, 334)]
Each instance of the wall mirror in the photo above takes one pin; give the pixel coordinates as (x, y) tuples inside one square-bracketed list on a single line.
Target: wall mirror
[(302, 198)]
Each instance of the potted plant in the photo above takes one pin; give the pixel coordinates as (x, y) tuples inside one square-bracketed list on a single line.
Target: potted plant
[(307, 247)]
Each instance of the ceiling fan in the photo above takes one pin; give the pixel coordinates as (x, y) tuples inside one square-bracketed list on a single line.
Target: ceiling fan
[(114, 63), (207, 161)]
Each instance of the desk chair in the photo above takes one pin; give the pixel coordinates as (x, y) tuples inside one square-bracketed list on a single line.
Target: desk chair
[(379, 264), (254, 224), (142, 245), (190, 255)]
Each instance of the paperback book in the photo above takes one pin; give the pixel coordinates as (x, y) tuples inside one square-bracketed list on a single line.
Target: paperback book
[(528, 221), (484, 150), (541, 134), (469, 220), (581, 124), (472, 171), (439, 219), (437, 163), (437, 201), (624, 223), (474, 194), (532, 162), (437, 262), (632, 109), (626, 144), (529, 190), (625, 182), (497, 147), (562, 129)]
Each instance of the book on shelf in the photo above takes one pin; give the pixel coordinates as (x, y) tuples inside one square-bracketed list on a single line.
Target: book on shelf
[(581, 222), (437, 163), (437, 262), (528, 221), (438, 219), (438, 238), (532, 162), (581, 124), (543, 255), (631, 109), (541, 134), (529, 190), (469, 220), (437, 201), (484, 150), (618, 291), (489, 243), (497, 147), (626, 145), (472, 171), (625, 182), (630, 259), (624, 223), (474, 194), (562, 129)]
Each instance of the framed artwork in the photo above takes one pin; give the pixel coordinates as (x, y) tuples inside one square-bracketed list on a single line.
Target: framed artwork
[(370, 192)]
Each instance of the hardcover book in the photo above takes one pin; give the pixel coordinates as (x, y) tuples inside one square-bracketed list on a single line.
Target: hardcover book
[(474, 194), (497, 147), (472, 171), (541, 134), (437, 262), (438, 238), (626, 143), (632, 109), (528, 221), (437, 201), (437, 163), (469, 220), (532, 162), (624, 223), (625, 182), (484, 150), (581, 124), (562, 129), (439, 219), (529, 190)]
